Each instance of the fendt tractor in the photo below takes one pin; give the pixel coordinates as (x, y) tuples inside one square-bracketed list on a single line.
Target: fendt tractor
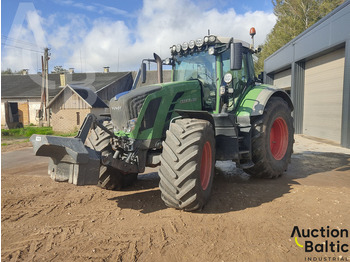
[(214, 108)]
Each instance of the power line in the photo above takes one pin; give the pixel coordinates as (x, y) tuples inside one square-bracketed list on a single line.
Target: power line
[(19, 41), (19, 47)]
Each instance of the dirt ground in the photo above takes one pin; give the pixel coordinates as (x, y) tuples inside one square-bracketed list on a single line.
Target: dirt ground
[(246, 219)]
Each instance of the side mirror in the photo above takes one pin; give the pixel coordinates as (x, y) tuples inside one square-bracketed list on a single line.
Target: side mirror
[(236, 56), (143, 72), (261, 77)]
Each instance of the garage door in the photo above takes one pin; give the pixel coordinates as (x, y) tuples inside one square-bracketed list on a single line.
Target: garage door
[(323, 96), (283, 79)]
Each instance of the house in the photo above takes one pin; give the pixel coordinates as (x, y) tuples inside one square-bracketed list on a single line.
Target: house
[(22, 94), (315, 68), (70, 106)]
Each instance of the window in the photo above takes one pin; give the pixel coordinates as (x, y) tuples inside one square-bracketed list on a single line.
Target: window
[(201, 66), (78, 118), (240, 78)]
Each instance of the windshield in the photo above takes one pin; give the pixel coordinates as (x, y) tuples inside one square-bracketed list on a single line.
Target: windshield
[(200, 66)]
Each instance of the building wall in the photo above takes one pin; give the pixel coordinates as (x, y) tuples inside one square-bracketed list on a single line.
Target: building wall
[(27, 108), (68, 120), (319, 59), (68, 100), (283, 79), (33, 108)]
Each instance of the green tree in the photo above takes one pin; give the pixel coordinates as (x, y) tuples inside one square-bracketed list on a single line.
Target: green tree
[(293, 17), (8, 71), (58, 69)]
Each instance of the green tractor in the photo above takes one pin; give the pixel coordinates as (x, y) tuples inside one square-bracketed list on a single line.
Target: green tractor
[(212, 109)]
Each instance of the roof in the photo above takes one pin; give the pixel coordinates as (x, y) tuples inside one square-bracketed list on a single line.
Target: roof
[(29, 86), (95, 81), (86, 94)]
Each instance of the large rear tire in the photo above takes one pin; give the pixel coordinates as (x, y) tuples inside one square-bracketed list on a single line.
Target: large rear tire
[(187, 164), (109, 178), (272, 140)]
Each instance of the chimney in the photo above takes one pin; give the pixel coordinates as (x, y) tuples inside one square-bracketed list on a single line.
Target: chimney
[(63, 79), (25, 72), (106, 69), (71, 70)]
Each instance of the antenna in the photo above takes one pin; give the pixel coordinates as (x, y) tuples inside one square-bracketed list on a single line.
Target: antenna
[(208, 31)]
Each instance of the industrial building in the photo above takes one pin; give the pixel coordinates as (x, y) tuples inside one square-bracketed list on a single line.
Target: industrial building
[(315, 68)]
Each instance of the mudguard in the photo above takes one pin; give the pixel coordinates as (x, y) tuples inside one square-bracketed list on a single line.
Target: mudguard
[(256, 99)]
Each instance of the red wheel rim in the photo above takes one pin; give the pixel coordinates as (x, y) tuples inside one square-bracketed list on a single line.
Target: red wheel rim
[(279, 138), (206, 165)]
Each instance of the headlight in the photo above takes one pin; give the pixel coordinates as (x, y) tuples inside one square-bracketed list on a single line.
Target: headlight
[(222, 90), (173, 48), (192, 44), (211, 50), (228, 78), (206, 39), (130, 125), (199, 42), (184, 46), (212, 38), (167, 61), (178, 48)]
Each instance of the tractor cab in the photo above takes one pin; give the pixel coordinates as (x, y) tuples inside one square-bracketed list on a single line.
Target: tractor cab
[(222, 65)]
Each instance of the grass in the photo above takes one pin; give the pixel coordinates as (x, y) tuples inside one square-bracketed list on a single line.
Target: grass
[(28, 131)]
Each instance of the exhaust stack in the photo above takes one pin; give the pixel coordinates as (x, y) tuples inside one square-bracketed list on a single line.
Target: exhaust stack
[(159, 67)]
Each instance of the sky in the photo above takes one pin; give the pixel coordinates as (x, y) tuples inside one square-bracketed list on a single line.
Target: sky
[(88, 35)]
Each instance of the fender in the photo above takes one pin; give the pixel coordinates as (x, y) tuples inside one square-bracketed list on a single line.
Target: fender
[(204, 115), (254, 102)]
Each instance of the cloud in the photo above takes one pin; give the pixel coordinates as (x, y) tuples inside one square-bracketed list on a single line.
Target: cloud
[(161, 24), (90, 44)]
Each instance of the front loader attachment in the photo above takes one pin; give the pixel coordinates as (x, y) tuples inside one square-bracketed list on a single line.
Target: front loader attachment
[(70, 160)]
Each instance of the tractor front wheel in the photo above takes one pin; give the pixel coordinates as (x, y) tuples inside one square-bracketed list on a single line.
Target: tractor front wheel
[(272, 140), (187, 164)]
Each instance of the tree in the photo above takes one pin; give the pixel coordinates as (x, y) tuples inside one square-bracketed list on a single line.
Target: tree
[(8, 71), (58, 69), (293, 17)]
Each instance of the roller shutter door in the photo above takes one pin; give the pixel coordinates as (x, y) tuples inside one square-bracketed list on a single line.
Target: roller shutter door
[(283, 79), (324, 80)]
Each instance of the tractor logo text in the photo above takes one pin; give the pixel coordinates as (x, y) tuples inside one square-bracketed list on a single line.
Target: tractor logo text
[(188, 100)]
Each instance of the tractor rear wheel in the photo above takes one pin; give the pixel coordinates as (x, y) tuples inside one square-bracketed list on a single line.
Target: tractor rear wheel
[(109, 178), (187, 164), (272, 140)]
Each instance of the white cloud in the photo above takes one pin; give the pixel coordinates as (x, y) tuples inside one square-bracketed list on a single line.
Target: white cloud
[(91, 44), (161, 24)]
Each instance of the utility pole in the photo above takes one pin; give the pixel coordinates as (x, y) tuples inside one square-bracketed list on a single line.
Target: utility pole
[(45, 86), (46, 63)]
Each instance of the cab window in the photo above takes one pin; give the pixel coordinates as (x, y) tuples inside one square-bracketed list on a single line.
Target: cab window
[(240, 78)]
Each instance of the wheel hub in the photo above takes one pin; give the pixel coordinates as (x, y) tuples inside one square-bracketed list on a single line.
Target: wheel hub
[(206, 165), (279, 138)]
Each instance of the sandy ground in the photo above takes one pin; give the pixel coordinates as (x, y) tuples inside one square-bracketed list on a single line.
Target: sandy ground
[(246, 219)]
